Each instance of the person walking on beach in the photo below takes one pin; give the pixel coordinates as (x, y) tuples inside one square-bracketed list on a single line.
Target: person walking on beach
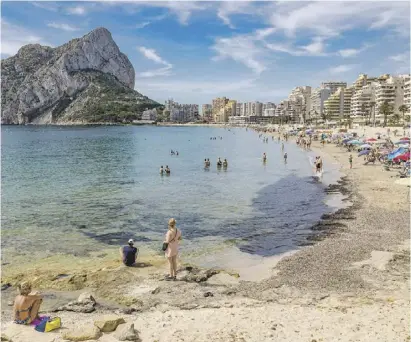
[(26, 304), (285, 157), (173, 236), (129, 253), (350, 160)]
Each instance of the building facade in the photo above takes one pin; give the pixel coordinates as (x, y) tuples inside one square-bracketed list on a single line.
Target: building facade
[(333, 85), (318, 97), (149, 115), (182, 112), (300, 100)]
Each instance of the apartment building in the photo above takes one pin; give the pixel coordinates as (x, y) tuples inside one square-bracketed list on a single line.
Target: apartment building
[(268, 109), (362, 98), (181, 112), (392, 91), (218, 107), (300, 99), (407, 92), (318, 97), (333, 85), (207, 112), (149, 115), (334, 105)]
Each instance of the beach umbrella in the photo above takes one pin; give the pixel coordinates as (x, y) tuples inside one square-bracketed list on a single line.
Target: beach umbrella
[(364, 153), (366, 146), (397, 152), (402, 157), (371, 139), (405, 138), (355, 142), (402, 142)]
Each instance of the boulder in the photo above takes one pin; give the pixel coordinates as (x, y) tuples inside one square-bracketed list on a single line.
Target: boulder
[(85, 304), (127, 333), (85, 298), (84, 333), (109, 323)]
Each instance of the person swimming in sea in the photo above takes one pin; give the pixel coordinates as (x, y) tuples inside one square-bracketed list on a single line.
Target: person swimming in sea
[(264, 157), (219, 162), (172, 152), (161, 170), (167, 170), (225, 163), (208, 162), (176, 153)]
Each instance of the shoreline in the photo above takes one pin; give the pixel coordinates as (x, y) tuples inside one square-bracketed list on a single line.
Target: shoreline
[(351, 282)]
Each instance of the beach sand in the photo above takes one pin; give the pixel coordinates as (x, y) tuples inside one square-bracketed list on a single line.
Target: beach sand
[(350, 284)]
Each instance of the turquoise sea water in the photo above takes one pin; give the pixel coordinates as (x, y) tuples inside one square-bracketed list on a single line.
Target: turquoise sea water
[(78, 189)]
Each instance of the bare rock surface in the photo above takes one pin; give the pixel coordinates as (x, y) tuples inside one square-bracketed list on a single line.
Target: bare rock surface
[(46, 85)]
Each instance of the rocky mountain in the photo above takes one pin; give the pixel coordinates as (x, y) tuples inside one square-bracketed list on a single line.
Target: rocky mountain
[(83, 81)]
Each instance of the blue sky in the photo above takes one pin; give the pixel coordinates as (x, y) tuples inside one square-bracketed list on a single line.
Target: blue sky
[(248, 50)]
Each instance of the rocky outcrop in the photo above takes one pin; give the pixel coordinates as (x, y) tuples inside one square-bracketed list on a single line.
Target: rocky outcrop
[(86, 80), (85, 304), (109, 323)]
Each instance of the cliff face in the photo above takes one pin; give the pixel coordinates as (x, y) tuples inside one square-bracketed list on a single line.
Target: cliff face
[(86, 80)]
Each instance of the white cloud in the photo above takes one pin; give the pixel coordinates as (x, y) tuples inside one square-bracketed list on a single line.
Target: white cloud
[(14, 37), (77, 10), (166, 71), (183, 10), (315, 48), (62, 26), (342, 68), (345, 53), (402, 57), (142, 25), (152, 55), (228, 8), (332, 18), (49, 6), (242, 49)]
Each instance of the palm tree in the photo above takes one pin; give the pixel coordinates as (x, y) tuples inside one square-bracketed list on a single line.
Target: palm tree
[(372, 107), (395, 118), (403, 109), (385, 109)]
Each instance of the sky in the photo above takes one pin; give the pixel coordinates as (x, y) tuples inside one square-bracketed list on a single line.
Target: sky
[(193, 52)]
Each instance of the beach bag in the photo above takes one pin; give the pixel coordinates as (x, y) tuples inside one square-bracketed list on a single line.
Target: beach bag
[(49, 325), (165, 244)]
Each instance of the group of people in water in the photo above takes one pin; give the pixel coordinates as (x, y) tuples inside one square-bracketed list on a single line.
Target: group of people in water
[(215, 138), (220, 163), (174, 153), (164, 170)]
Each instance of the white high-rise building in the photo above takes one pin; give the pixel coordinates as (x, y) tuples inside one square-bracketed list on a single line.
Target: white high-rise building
[(333, 85), (181, 112), (300, 99), (318, 97), (362, 98), (268, 109), (392, 91), (407, 93)]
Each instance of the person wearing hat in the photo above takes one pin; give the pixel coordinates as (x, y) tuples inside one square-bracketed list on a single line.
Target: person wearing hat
[(129, 253)]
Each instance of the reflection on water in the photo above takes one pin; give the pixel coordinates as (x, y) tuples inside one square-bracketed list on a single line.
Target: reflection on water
[(77, 189)]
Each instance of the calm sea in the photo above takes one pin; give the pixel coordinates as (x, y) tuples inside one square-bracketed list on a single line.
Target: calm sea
[(79, 189)]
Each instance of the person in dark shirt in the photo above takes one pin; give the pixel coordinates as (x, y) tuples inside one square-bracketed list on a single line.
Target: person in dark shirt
[(129, 253)]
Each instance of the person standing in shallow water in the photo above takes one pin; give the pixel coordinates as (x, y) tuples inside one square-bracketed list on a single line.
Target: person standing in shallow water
[(350, 161), (173, 236)]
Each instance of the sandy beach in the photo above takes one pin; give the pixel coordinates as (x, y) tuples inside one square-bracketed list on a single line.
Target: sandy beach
[(350, 283)]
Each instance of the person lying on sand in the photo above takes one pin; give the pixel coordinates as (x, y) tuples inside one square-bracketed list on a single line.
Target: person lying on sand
[(26, 304), (129, 253)]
